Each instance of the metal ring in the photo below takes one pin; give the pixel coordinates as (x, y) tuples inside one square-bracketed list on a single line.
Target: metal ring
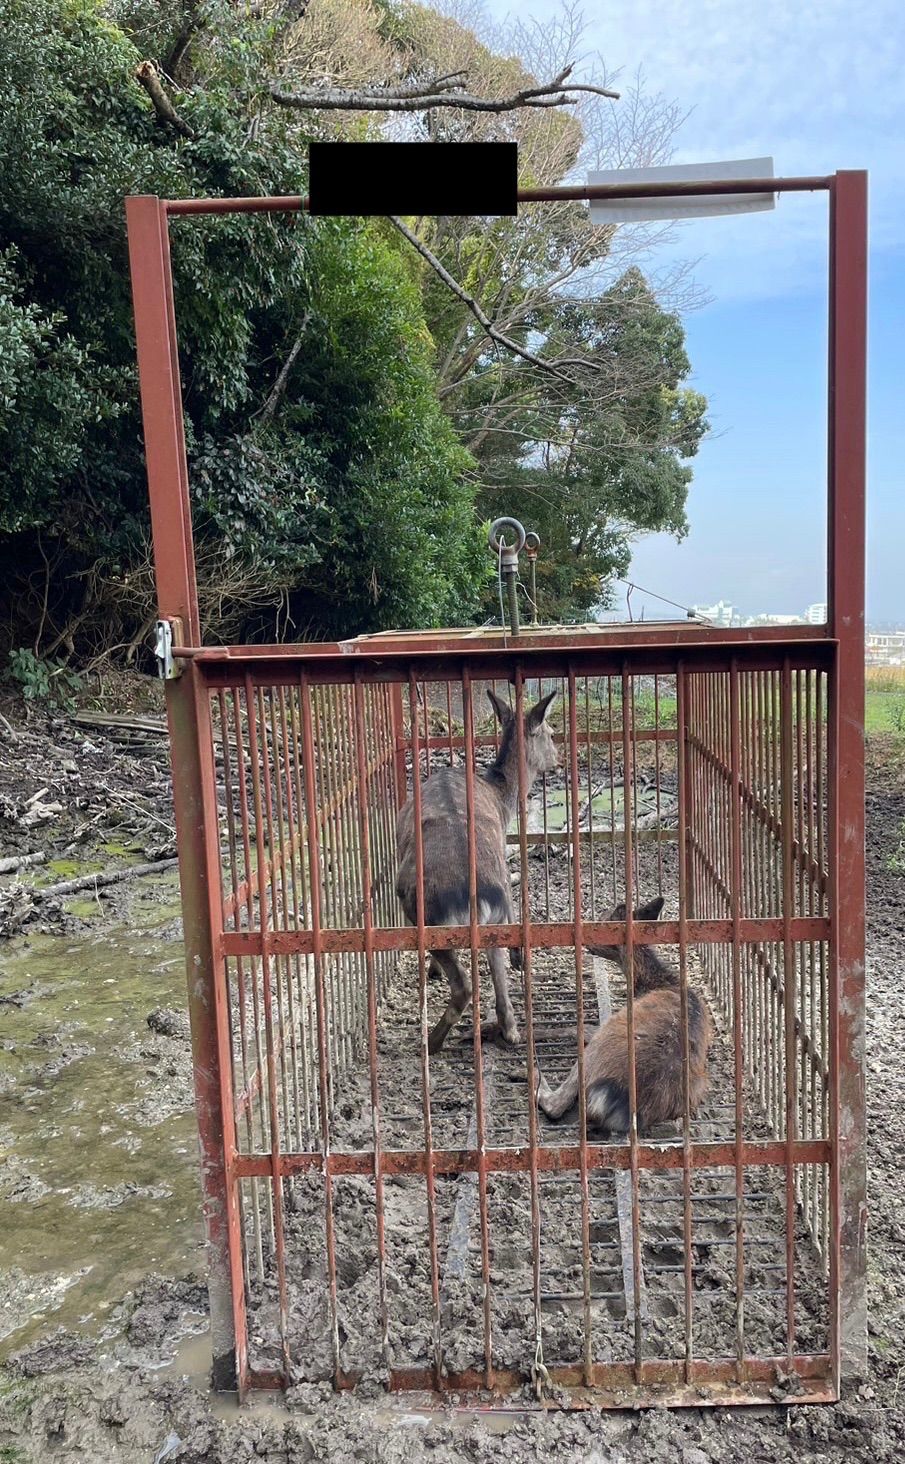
[(532, 541), (497, 527)]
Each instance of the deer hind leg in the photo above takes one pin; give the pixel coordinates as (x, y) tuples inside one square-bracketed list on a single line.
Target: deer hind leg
[(505, 1025), (555, 1102), (459, 997), (608, 1106)]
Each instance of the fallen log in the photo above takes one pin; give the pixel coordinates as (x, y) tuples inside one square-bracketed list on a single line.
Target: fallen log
[(122, 723), (21, 861), (99, 881)]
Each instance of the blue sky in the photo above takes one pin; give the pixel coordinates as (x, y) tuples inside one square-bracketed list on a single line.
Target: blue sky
[(818, 86)]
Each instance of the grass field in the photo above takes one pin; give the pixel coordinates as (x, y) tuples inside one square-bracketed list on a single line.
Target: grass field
[(884, 709)]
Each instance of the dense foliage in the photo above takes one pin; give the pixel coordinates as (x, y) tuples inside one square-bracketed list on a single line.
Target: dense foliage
[(347, 423)]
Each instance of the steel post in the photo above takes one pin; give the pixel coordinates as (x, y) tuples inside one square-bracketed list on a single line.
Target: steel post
[(192, 761), (845, 587)]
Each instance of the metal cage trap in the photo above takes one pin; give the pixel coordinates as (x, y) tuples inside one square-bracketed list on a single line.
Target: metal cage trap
[(377, 1211)]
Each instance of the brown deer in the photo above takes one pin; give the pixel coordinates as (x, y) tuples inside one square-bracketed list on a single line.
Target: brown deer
[(444, 831), (657, 1013)]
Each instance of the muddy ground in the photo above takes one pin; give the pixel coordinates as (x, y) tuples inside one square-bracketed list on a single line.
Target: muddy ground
[(102, 1303)]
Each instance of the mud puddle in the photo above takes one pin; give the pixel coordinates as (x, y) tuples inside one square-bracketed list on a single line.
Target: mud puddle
[(98, 1149)]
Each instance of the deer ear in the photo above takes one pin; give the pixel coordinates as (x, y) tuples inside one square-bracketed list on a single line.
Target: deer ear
[(538, 714), (652, 910), (504, 715), (618, 913)]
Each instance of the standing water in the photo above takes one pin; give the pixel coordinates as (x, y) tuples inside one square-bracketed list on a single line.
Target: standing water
[(98, 1148)]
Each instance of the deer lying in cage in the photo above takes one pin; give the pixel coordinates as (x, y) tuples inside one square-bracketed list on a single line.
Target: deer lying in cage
[(657, 1014), (444, 831)]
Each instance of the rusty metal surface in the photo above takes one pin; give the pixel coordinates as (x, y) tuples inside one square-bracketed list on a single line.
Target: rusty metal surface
[(845, 581), (296, 203)]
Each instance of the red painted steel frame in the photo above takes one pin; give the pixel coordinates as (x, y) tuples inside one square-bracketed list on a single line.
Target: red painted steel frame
[(840, 646)]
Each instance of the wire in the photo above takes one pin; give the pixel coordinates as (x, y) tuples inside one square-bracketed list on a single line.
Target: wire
[(500, 585), (689, 610)]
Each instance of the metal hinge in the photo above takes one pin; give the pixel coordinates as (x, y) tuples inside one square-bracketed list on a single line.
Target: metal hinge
[(166, 635)]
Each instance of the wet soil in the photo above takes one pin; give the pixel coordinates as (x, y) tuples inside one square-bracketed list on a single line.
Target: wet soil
[(101, 1292)]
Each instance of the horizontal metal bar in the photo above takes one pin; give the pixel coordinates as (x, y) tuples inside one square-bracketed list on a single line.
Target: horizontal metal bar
[(548, 936), (601, 836), (298, 203), (564, 1159), (616, 1384), (605, 738), (569, 639)]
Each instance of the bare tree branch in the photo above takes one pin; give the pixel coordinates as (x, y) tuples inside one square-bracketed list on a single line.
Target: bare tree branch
[(272, 400), (469, 300), (443, 91), (147, 76)]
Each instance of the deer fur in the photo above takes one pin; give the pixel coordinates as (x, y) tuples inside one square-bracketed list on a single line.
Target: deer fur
[(657, 1012), (444, 830)]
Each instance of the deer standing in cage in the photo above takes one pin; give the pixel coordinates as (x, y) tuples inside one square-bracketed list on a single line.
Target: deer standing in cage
[(659, 1046), (444, 832)]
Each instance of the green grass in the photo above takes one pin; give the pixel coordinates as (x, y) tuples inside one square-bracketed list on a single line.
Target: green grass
[(884, 711)]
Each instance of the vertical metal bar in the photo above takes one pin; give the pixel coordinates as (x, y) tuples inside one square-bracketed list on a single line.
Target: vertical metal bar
[(302, 963), (291, 913), (789, 992), (425, 1060), (627, 731), (845, 594), (657, 781), (323, 1072), (826, 1118), (361, 764), (579, 1008), (266, 960), (684, 750), (480, 1136), (738, 1015), (241, 999), (278, 894), (589, 750), (397, 724), (688, 1254), (149, 261), (528, 978), (611, 757)]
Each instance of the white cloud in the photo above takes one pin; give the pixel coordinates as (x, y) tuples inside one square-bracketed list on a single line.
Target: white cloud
[(816, 85)]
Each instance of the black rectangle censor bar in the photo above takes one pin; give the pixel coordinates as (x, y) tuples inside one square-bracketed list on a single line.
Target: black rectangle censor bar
[(379, 178)]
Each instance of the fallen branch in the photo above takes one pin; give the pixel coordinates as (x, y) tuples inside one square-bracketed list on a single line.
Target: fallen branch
[(115, 721), (146, 75), (21, 861), (443, 91), (99, 881)]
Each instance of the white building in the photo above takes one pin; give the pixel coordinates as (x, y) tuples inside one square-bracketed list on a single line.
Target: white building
[(774, 620), (816, 614), (722, 613)]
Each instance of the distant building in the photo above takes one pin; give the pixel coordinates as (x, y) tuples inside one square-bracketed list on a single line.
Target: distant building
[(722, 613), (816, 614), (774, 620), (885, 648)]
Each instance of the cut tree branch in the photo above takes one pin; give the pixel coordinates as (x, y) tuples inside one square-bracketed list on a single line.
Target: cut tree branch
[(443, 91), (147, 76), (483, 320)]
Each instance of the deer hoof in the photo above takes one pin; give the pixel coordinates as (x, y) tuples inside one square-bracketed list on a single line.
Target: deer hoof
[(437, 1038)]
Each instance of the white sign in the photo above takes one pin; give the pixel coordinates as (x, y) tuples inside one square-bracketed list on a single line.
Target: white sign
[(688, 206)]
